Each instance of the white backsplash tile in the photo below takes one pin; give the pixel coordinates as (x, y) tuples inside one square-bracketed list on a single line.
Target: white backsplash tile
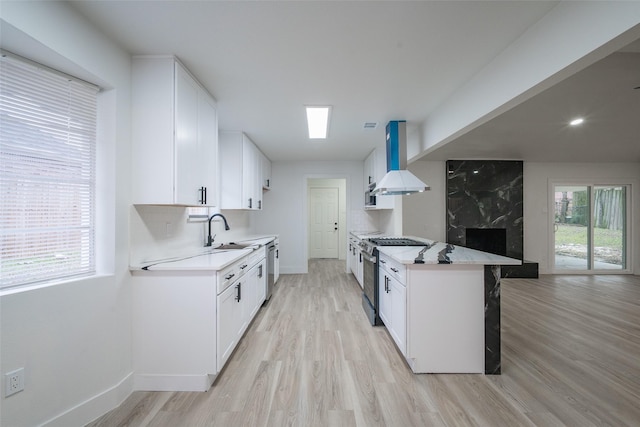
[(160, 232), (362, 220)]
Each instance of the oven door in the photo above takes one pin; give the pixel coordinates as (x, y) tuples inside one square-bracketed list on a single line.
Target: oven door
[(368, 276), (370, 287)]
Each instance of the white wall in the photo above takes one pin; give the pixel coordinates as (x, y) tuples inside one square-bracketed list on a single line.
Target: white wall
[(423, 214), (74, 338), (285, 210), (536, 202)]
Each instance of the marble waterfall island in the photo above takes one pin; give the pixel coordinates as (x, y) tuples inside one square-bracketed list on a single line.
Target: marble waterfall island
[(445, 315)]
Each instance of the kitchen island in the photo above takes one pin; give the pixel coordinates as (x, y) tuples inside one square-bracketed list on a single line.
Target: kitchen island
[(441, 305)]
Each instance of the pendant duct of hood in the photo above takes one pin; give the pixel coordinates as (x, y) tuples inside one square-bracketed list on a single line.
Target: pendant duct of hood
[(398, 180)]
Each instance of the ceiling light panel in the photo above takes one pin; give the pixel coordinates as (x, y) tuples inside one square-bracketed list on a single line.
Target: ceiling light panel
[(318, 121)]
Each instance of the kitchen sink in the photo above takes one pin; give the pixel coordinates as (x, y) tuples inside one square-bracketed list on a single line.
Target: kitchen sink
[(233, 245)]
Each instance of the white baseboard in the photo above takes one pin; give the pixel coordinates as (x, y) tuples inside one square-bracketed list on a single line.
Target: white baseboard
[(94, 407), (144, 382)]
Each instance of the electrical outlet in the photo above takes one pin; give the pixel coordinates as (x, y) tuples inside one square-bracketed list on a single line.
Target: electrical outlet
[(13, 382)]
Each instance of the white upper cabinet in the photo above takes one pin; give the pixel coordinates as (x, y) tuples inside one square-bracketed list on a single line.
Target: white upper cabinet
[(369, 170), (266, 172), (241, 172), (175, 135), (375, 167)]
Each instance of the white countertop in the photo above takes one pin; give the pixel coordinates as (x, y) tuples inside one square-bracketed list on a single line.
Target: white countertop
[(438, 254), (211, 259), (366, 234)]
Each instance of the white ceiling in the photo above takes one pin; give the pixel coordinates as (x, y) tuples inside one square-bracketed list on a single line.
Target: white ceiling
[(372, 61)]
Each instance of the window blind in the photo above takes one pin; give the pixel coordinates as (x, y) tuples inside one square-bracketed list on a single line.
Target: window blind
[(47, 174)]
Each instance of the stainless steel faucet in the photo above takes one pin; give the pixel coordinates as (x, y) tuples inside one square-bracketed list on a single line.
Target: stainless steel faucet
[(226, 227)]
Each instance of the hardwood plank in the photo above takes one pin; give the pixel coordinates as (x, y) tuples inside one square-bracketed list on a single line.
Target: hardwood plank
[(570, 347)]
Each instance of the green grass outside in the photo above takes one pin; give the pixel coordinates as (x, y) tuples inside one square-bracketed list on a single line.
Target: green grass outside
[(577, 235), (571, 240)]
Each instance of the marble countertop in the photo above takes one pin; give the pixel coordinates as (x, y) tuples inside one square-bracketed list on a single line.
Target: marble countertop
[(366, 234), (211, 259), (443, 253)]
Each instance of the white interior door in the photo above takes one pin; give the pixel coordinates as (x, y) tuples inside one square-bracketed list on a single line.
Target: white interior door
[(323, 222)]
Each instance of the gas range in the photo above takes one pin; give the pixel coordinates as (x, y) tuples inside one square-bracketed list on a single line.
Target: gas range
[(395, 241)]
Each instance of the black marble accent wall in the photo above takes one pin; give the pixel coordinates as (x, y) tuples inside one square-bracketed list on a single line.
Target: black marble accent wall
[(485, 194)]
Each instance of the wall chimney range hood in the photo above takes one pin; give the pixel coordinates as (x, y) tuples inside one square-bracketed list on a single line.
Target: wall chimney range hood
[(398, 180)]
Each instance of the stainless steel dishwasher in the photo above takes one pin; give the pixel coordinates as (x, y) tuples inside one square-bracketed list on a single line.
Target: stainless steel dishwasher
[(271, 260)]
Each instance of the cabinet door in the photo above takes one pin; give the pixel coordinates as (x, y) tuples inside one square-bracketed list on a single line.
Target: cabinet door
[(250, 303), (208, 148), (188, 175), (384, 300), (352, 265), (266, 173), (262, 283), (360, 268), (369, 176), (398, 314), (229, 322), (249, 175), (276, 266)]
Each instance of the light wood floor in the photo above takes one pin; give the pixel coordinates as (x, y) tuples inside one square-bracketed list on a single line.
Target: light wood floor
[(570, 356)]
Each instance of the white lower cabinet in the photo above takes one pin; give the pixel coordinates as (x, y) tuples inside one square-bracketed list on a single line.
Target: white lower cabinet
[(393, 302), (239, 303), (355, 260), (398, 305), (186, 324), (276, 262), (230, 319), (261, 284)]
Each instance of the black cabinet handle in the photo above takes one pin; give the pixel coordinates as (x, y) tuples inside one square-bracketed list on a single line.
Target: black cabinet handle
[(395, 270), (278, 253), (260, 270), (243, 267), (238, 292), (361, 257), (259, 204), (268, 183), (250, 203), (229, 276), (383, 261), (203, 195)]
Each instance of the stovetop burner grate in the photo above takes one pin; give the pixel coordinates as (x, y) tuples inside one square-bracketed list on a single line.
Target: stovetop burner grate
[(395, 241)]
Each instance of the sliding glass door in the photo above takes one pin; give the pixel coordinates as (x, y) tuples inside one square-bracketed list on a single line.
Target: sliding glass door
[(590, 228)]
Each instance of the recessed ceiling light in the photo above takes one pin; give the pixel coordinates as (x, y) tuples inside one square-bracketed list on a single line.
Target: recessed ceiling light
[(577, 121), (318, 121)]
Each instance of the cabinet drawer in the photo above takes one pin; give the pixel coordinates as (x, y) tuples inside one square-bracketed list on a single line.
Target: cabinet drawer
[(228, 275), (255, 257), (393, 269)]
